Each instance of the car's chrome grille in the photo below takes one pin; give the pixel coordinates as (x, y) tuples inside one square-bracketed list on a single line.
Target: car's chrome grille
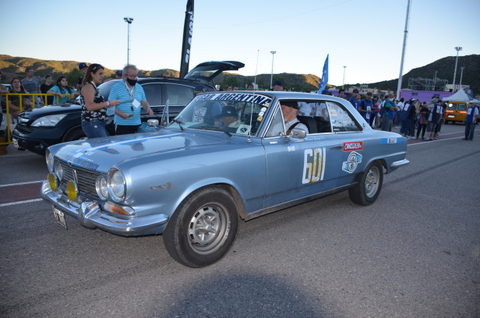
[(85, 179)]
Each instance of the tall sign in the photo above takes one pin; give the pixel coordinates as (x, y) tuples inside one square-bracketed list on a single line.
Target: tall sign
[(187, 39)]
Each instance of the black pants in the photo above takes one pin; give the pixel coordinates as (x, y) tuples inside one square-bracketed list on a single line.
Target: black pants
[(422, 128), (124, 130)]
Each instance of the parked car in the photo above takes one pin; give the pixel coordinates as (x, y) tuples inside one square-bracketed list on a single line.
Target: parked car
[(456, 112), (46, 126), (194, 180)]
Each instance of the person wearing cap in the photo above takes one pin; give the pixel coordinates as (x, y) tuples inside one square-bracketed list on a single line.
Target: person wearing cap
[(228, 117), (278, 86), (83, 69), (118, 74), (353, 99), (289, 111)]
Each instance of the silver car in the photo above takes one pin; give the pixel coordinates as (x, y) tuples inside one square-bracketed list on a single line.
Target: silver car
[(193, 180)]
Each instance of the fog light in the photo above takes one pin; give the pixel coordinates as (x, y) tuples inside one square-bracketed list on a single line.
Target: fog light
[(52, 181), (71, 190)]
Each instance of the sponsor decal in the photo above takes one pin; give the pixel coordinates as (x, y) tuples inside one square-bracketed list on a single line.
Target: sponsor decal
[(391, 140), (290, 148), (313, 165), (353, 145), (353, 159)]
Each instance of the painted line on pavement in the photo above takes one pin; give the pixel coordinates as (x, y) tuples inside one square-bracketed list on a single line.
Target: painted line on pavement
[(19, 202), (19, 183)]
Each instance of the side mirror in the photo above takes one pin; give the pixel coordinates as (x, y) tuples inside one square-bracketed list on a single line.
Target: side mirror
[(298, 133), (152, 122)]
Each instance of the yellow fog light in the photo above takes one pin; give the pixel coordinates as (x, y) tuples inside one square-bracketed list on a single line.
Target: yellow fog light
[(71, 190), (52, 181)]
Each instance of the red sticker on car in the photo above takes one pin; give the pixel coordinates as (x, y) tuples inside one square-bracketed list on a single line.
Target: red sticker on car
[(353, 145)]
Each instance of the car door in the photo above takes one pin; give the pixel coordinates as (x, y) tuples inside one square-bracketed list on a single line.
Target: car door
[(298, 168)]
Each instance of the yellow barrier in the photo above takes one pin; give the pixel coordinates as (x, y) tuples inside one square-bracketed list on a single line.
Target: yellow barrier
[(21, 97)]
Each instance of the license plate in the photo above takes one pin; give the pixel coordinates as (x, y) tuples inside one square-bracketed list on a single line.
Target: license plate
[(60, 217), (15, 142)]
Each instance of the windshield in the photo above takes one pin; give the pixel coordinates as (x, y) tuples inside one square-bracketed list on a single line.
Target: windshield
[(237, 113)]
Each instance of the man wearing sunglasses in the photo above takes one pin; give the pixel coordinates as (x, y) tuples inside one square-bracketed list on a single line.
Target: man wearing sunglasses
[(131, 96)]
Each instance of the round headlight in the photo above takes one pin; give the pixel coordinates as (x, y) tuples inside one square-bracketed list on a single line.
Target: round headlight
[(71, 190), (52, 181), (59, 171), (49, 158), (116, 185), (101, 187)]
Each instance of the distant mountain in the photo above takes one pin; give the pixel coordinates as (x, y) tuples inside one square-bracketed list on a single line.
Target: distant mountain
[(444, 68)]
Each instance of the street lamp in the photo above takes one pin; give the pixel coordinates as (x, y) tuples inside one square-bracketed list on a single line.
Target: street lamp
[(343, 85), (458, 48), (461, 76), (129, 21), (271, 76)]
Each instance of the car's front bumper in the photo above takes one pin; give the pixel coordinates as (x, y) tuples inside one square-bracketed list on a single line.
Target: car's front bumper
[(35, 145), (90, 214)]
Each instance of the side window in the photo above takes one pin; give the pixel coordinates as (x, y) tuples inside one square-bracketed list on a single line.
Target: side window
[(276, 127), (178, 94), (153, 92), (341, 119)]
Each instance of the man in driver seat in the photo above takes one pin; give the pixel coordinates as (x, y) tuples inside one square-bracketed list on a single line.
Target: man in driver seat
[(290, 111), (228, 117)]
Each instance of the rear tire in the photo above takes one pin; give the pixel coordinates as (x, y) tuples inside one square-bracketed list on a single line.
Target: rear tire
[(369, 185), (203, 228)]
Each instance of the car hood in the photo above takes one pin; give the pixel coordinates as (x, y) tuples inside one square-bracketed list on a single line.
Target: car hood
[(100, 154), (52, 110)]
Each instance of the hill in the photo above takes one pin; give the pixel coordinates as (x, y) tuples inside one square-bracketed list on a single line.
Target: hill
[(444, 68)]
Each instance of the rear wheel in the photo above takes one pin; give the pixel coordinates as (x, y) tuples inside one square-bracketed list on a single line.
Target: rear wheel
[(369, 185), (203, 228)]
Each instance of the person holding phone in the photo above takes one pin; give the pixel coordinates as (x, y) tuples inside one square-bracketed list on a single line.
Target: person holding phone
[(132, 97)]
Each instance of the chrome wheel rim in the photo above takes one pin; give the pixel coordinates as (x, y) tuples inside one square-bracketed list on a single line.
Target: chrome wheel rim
[(208, 229), (372, 182)]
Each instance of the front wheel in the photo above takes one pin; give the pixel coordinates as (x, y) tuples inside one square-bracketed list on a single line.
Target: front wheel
[(203, 228), (369, 185)]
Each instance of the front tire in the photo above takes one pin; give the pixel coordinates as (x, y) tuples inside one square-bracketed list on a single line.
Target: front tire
[(203, 228), (369, 185)]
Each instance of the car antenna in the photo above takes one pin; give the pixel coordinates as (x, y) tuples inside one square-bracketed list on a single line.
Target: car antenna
[(165, 116)]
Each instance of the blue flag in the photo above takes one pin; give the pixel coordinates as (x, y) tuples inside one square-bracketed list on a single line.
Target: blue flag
[(324, 82)]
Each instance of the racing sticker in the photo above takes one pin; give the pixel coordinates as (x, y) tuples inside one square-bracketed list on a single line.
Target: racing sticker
[(392, 140), (354, 158), (313, 165), (353, 145)]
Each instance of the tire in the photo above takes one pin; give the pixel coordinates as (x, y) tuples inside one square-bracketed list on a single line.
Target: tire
[(369, 185), (75, 134), (203, 228)]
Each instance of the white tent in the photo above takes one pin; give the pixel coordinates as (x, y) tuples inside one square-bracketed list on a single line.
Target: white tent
[(459, 96)]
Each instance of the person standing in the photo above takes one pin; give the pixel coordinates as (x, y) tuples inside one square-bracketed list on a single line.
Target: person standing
[(83, 70), (389, 110), (422, 120), (94, 108), (278, 86), (366, 108), (30, 83), (14, 104), (45, 87), (132, 96), (353, 99), (433, 118), (471, 122)]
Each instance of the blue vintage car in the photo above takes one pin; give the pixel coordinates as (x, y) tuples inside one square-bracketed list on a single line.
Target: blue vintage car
[(227, 156)]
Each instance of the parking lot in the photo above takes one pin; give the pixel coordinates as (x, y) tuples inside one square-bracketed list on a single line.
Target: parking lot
[(414, 253)]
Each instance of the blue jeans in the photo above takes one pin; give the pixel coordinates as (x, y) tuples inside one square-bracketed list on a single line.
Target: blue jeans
[(469, 130), (94, 128)]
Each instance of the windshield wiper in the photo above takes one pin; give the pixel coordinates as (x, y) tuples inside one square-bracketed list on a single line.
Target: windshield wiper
[(179, 123)]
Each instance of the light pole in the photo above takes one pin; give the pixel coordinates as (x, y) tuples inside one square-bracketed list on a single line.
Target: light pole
[(458, 48), (271, 76), (343, 85), (129, 21), (461, 76)]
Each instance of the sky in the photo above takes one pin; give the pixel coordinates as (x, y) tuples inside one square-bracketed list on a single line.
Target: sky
[(363, 38)]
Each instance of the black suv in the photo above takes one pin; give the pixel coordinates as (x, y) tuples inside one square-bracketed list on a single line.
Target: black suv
[(46, 126)]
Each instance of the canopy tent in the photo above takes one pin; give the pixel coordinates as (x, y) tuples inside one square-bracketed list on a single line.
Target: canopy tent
[(460, 96)]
